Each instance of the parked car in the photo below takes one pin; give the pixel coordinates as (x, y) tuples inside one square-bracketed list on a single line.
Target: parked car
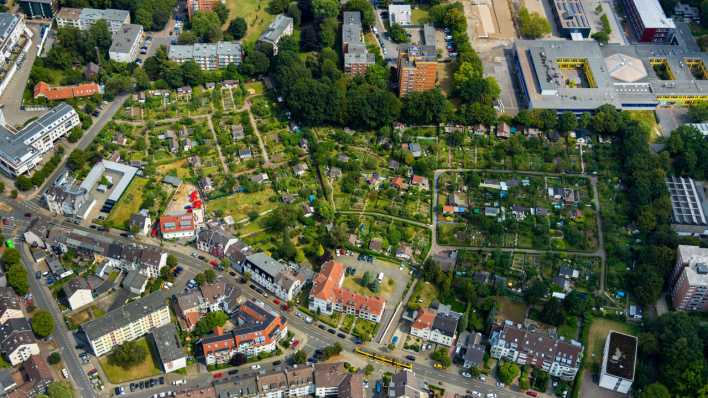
[(255, 367), (410, 358)]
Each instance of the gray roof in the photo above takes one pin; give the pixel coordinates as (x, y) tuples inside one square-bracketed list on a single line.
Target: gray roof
[(571, 14), (199, 50), (429, 35), (125, 37), (13, 146), (134, 280), (351, 27), (74, 285), (7, 24), (15, 332), (167, 343), (172, 180), (121, 316), (276, 29), (652, 14), (110, 15), (6, 380), (266, 263), (446, 323)]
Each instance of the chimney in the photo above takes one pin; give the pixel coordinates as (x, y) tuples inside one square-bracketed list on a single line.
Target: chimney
[(219, 330)]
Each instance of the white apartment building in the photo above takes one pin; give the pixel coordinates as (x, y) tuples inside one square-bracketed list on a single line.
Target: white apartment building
[(209, 56), (22, 150), (127, 323), (126, 43), (78, 293), (275, 276), (11, 28), (17, 341), (83, 18), (618, 362)]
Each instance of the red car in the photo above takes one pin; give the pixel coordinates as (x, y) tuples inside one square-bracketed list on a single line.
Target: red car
[(214, 263), (532, 393), (295, 344), (276, 301), (285, 307), (218, 375)]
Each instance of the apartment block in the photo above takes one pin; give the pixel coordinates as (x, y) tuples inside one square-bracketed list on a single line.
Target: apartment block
[(559, 357), (417, 69), (689, 282), (280, 278), (209, 56), (127, 323), (282, 26), (11, 28), (357, 58), (126, 43), (436, 325), (648, 21), (619, 360), (84, 18)]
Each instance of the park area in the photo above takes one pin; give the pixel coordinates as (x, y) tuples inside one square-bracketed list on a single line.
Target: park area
[(254, 11), (147, 368)]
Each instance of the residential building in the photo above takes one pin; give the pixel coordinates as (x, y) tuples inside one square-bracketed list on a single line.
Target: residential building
[(7, 381), (194, 6), (436, 325), (78, 292), (177, 227), (66, 198), (10, 305), (135, 282), (648, 21), (209, 56), (34, 378), (257, 329), (218, 296), (406, 385), (22, 150), (148, 260), (619, 360), (470, 350), (126, 43), (559, 357), (570, 18), (282, 279), (332, 380), (400, 14), (140, 223), (327, 295), (689, 281), (126, 323), (57, 268), (357, 58), (215, 240), (84, 18), (17, 342), (417, 69), (11, 29), (189, 308), (38, 8), (688, 206), (44, 90), (282, 26), (169, 349)]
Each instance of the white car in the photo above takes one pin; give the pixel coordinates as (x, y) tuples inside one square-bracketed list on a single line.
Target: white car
[(476, 393), (491, 395), (255, 367), (466, 375), (65, 373)]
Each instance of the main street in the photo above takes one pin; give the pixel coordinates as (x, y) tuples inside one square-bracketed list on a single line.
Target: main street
[(317, 338)]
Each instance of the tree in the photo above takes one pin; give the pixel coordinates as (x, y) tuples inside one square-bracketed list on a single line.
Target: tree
[(54, 358), (698, 113), (398, 34), (472, 86), (441, 356), (128, 354), (331, 351), (209, 322), (191, 73), (567, 122), (552, 312), (299, 357), (366, 9), (17, 278), (532, 25), (24, 183), (42, 323), (426, 107), (325, 8), (328, 31), (535, 292), (60, 389), (207, 26), (477, 113), (222, 12), (238, 28), (655, 390), (187, 37), (239, 359), (256, 63), (601, 37), (171, 261), (507, 372)]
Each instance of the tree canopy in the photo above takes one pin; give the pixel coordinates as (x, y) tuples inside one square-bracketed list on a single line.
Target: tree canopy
[(128, 354), (532, 25), (42, 323)]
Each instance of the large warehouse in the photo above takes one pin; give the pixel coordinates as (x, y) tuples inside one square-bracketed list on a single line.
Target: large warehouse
[(582, 75)]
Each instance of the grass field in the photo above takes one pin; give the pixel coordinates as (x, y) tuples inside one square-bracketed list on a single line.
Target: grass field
[(257, 87), (423, 295), (598, 333), (129, 204), (179, 166), (445, 71), (419, 16), (254, 11), (148, 368), (507, 309), (240, 204), (364, 328), (352, 283)]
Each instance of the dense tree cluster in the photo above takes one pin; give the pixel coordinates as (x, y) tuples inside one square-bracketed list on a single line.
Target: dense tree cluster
[(128, 354), (14, 271), (688, 152)]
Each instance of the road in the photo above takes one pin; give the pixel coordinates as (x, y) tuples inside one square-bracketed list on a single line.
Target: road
[(62, 336)]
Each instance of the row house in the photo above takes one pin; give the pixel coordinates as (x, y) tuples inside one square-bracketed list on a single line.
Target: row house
[(282, 279), (438, 326), (215, 241)]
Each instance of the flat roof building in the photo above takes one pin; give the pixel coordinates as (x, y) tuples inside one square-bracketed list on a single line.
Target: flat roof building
[(11, 29), (126, 43), (280, 27), (38, 8), (689, 282), (356, 56), (169, 350), (570, 18), (688, 206), (417, 69), (619, 360), (648, 21), (84, 18), (208, 56)]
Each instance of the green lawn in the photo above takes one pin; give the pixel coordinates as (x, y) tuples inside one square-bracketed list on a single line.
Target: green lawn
[(364, 328), (347, 323), (419, 16), (331, 320), (116, 374), (129, 204), (254, 11), (598, 333), (354, 284), (240, 204), (423, 295)]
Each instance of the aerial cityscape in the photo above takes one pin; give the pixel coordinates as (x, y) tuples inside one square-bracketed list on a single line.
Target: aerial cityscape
[(356, 198)]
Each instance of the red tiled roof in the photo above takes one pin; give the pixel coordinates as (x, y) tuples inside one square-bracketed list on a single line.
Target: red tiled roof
[(42, 89), (417, 179), (398, 182), (425, 319), (447, 209), (169, 224), (326, 287)]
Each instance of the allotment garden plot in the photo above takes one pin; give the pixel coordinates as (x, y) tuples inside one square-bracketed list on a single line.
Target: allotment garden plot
[(516, 210)]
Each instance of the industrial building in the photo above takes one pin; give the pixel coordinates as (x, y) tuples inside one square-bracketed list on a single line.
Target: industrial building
[(648, 21), (571, 19), (583, 75)]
